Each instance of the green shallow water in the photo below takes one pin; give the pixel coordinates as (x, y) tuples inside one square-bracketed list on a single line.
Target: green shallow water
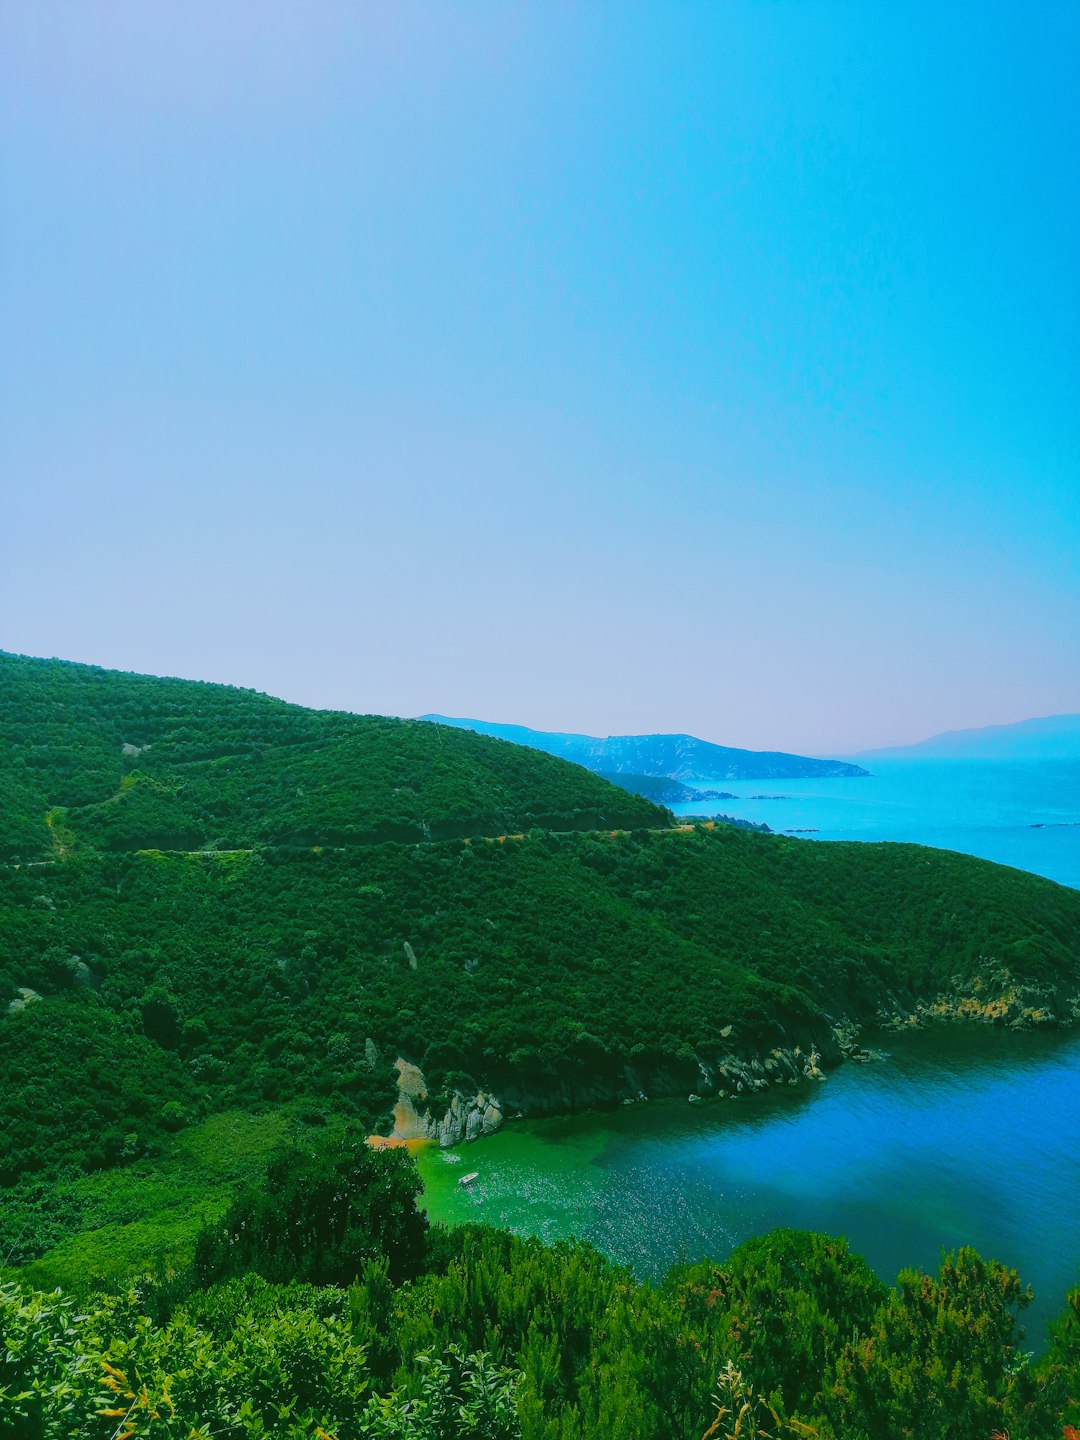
[(957, 1137)]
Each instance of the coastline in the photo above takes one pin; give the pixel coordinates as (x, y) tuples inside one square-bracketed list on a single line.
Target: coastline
[(459, 1117)]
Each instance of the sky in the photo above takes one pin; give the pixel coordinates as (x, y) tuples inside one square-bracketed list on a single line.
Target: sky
[(606, 367)]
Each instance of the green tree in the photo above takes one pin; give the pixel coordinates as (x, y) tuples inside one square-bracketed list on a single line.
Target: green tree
[(940, 1360), (322, 1212)]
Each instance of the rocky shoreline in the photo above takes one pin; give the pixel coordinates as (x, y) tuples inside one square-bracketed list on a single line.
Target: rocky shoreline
[(468, 1117), (994, 1000)]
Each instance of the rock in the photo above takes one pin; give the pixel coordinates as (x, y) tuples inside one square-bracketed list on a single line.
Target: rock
[(725, 1033), (493, 1118), (410, 954), (695, 1100), (25, 997)]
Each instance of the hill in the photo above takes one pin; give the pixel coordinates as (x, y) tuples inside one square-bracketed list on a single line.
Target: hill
[(129, 762), (228, 925), (661, 790), (1053, 737), (680, 757), (224, 902)]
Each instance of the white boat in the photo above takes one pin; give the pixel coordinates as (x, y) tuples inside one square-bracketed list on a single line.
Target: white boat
[(468, 1179)]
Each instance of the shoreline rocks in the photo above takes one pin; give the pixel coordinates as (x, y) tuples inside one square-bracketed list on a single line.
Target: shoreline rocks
[(468, 1117), (730, 1073), (996, 999)]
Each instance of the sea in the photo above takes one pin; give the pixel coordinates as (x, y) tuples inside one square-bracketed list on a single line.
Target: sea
[(966, 1137), (1020, 813), (954, 1137)]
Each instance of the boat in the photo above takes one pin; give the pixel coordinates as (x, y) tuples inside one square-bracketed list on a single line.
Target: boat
[(467, 1180)]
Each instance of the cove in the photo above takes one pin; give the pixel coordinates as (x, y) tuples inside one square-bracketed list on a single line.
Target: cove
[(956, 1137)]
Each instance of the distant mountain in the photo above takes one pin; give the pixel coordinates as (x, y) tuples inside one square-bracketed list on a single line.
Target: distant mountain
[(662, 790), (680, 757), (1053, 737)]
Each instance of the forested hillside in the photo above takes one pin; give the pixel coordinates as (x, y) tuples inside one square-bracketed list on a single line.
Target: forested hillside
[(168, 910), (559, 969), (128, 762), (224, 918)]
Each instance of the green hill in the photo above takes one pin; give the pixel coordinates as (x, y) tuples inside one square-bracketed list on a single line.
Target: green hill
[(130, 762), (197, 926), (222, 921)]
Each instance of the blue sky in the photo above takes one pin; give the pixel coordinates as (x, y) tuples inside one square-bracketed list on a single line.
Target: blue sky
[(605, 367)]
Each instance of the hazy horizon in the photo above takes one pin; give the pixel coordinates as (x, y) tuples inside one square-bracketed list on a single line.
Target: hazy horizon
[(599, 369), (714, 739)]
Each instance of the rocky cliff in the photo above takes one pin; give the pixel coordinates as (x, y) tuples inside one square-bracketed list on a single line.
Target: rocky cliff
[(463, 1117), (736, 1070)]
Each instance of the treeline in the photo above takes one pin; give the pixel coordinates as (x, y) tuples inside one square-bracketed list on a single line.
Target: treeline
[(173, 985), (126, 762), (322, 1306)]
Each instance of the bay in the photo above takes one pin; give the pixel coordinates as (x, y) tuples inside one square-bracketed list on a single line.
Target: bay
[(958, 1136)]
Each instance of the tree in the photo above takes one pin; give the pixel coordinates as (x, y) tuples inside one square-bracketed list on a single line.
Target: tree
[(321, 1213), (940, 1360)]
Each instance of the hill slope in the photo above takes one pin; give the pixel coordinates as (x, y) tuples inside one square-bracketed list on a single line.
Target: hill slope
[(680, 757), (661, 790), (144, 985), (129, 762), (556, 970)]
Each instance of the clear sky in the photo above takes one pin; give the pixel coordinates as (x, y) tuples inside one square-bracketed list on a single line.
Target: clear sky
[(610, 367)]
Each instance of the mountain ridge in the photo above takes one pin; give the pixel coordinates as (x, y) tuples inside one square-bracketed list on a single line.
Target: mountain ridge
[(676, 756), (1046, 737)]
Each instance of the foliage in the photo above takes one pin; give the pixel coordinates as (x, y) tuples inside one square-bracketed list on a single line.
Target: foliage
[(741, 1414), (292, 1370), (81, 1231), (943, 1349), (319, 1215), (1061, 1368), (131, 762), (788, 1348), (82, 1084), (503, 1337)]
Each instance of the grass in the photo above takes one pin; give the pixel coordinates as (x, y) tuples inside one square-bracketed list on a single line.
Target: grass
[(132, 1216)]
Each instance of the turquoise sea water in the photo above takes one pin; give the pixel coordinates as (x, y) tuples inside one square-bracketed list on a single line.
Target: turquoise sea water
[(958, 1137), (1025, 814)]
